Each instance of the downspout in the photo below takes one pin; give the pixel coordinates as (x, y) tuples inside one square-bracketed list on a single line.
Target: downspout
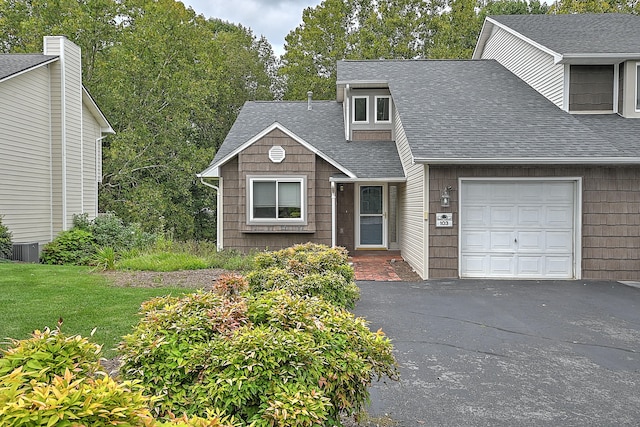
[(219, 211), (333, 214)]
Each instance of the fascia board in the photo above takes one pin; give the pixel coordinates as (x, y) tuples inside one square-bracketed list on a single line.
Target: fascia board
[(345, 179), (556, 56), (485, 33), (26, 70), (213, 170), (87, 99), (531, 161), (597, 58)]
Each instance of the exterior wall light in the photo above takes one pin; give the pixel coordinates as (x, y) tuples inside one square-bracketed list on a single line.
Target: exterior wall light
[(445, 197)]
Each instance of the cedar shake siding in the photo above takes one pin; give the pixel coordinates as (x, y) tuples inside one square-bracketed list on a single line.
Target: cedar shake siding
[(610, 215), (591, 88), (254, 161)]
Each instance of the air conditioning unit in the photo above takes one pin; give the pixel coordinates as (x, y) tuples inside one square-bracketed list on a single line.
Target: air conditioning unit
[(27, 252)]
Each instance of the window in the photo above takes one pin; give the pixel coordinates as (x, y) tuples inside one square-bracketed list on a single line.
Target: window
[(638, 87), (360, 109), (276, 199), (383, 109)]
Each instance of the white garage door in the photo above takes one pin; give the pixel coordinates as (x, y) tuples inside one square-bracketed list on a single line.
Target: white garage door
[(517, 229)]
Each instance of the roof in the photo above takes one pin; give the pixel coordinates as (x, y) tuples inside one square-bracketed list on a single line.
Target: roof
[(476, 111), (574, 35), (321, 128), (13, 64)]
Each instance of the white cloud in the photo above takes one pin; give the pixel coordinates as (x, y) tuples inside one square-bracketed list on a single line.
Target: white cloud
[(272, 18)]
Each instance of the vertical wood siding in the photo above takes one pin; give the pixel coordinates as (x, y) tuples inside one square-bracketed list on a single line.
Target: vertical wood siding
[(529, 63), (255, 161), (610, 217), (411, 201), (25, 181)]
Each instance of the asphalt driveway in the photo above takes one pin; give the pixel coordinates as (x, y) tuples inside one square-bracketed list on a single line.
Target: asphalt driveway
[(507, 353)]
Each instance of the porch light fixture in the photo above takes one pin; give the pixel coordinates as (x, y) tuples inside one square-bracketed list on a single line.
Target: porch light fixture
[(445, 197)]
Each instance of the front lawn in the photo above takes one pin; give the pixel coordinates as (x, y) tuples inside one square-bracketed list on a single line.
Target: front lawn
[(35, 296)]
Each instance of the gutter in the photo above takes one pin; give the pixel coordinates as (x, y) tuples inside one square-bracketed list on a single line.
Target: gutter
[(219, 210), (531, 160)]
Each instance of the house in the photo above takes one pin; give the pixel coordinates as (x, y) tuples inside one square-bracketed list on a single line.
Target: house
[(51, 135), (521, 163)]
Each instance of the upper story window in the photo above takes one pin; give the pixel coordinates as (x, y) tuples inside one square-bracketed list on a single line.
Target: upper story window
[(276, 199), (638, 87), (361, 109), (383, 109)]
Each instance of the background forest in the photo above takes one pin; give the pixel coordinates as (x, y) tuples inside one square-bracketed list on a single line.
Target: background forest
[(171, 82)]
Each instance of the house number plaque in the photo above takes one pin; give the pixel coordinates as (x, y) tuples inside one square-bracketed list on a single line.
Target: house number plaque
[(444, 219)]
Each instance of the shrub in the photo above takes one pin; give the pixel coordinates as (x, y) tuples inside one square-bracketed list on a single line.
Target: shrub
[(109, 230), (53, 379), (268, 359), (308, 269), (6, 242), (75, 246), (231, 285)]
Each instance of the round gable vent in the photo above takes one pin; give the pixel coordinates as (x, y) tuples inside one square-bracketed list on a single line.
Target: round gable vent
[(276, 154)]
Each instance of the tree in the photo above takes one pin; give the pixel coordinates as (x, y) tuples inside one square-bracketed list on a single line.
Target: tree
[(170, 82), (182, 80), (595, 6), (351, 29)]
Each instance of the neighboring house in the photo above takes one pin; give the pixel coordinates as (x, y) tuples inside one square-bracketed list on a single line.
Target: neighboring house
[(51, 135), (469, 168)]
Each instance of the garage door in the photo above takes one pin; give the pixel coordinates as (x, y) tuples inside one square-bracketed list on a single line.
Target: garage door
[(517, 229)]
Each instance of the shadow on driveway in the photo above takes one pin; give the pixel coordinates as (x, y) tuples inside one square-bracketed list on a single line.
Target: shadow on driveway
[(508, 353)]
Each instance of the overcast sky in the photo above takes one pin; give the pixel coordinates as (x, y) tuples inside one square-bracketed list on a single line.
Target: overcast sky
[(270, 18)]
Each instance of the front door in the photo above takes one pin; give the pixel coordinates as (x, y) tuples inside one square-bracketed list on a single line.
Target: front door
[(371, 227)]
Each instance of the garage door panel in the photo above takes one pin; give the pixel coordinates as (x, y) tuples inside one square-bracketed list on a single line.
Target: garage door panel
[(559, 266), (501, 241), (530, 266), (473, 265), (502, 266), (531, 241), (559, 216), (475, 241), (530, 216), (476, 216), (559, 241), (501, 215), (517, 229)]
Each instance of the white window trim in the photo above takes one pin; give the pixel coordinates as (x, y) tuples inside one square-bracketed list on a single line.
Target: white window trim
[(637, 94), (277, 221), (375, 113), (353, 110)]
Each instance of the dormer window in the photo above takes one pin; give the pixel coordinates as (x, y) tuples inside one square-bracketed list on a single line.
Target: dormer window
[(361, 109), (383, 109)]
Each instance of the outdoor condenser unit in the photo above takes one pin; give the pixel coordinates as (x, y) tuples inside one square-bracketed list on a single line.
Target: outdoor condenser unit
[(27, 252)]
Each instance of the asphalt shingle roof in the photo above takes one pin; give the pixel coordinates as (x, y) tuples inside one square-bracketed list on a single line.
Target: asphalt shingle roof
[(605, 33), (477, 110), (323, 128), (11, 64)]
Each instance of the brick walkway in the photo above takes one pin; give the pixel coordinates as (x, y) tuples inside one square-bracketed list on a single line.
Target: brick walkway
[(376, 265)]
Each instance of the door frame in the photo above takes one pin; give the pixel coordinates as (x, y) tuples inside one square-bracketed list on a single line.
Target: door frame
[(385, 216), (577, 213)]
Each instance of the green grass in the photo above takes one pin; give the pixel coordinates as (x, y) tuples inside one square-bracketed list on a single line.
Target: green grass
[(34, 296), (184, 256)]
